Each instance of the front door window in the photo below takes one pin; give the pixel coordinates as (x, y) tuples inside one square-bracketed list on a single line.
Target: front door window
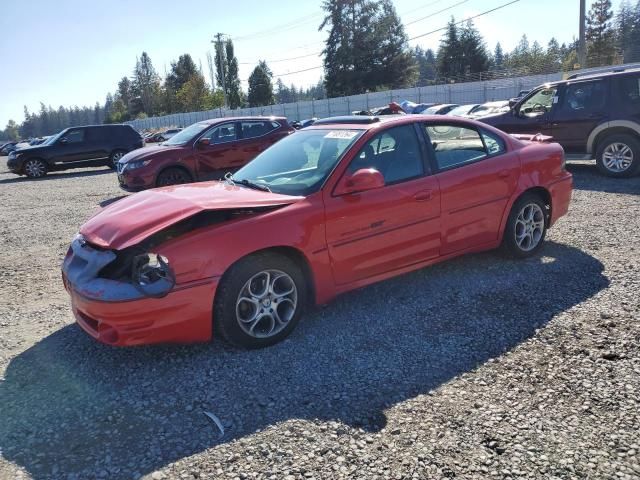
[(539, 104)]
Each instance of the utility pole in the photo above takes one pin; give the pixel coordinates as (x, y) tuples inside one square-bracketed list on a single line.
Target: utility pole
[(219, 41), (582, 45)]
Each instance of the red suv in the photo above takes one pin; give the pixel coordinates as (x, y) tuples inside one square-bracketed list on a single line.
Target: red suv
[(203, 151)]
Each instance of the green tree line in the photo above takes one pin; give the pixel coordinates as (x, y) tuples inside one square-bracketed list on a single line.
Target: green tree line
[(366, 50)]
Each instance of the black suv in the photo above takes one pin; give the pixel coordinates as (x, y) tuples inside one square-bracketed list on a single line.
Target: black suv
[(76, 147), (591, 115)]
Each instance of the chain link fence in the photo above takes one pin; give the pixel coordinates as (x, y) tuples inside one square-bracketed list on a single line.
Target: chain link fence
[(459, 93)]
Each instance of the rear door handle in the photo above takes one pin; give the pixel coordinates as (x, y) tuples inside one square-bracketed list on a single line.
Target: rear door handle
[(423, 196), (504, 173)]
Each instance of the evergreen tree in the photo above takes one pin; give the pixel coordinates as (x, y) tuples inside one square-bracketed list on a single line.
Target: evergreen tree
[(474, 52), (498, 56), (449, 58), (393, 63), (146, 85), (553, 56), (427, 68), (125, 94), (260, 86), (366, 48), (11, 131), (195, 95), (232, 80), (599, 34)]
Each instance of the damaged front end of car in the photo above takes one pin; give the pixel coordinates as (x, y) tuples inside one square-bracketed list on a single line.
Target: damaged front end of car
[(108, 275)]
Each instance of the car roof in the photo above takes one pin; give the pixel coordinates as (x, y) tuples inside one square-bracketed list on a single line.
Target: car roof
[(213, 121), (370, 122), (595, 75)]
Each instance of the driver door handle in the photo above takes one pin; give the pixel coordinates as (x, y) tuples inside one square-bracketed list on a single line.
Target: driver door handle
[(423, 196)]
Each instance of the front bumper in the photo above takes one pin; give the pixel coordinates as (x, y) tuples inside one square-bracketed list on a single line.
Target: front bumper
[(116, 313), (183, 316), (135, 180), (14, 165)]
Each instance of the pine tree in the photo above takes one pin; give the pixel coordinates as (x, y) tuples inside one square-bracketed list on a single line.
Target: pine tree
[(474, 52), (427, 68), (449, 58), (260, 86), (599, 34), (145, 86), (553, 56), (366, 48), (125, 94), (498, 56), (392, 62), (232, 80)]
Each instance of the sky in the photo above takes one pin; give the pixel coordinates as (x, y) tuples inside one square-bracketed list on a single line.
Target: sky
[(73, 52)]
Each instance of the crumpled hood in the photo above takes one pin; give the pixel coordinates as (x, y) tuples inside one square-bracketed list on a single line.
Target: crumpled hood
[(152, 151), (128, 221)]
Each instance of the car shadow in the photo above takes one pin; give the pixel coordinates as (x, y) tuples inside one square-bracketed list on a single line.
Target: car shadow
[(73, 406), (58, 175), (109, 201), (587, 177)]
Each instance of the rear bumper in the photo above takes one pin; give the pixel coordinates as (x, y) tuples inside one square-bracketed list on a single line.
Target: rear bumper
[(560, 191), (183, 316)]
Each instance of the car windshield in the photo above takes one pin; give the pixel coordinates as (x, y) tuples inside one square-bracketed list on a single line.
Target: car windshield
[(53, 138), (462, 110), (187, 134), (300, 163)]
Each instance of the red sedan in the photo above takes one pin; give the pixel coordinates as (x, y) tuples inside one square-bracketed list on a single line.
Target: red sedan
[(336, 206), (206, 150)]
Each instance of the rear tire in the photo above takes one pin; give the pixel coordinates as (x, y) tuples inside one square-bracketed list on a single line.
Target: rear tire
[(259, 300), (173, 176), (115, 157), (526, 226), (618, 156), (35, 168)]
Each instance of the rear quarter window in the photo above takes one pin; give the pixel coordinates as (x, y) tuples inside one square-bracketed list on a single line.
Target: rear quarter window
[(626, 93)]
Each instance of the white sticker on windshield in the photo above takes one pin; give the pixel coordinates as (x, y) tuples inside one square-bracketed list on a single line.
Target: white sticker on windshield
[(342, 134)]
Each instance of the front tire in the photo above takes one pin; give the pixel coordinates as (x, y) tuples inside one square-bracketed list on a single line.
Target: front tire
[(173, 176), (35, 168), (618, 156), (526, 227), (259, 301)]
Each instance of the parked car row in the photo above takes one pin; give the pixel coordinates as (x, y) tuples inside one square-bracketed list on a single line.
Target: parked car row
[(596, 115)]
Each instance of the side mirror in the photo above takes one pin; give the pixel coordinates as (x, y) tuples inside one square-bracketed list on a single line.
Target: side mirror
[(360, 181), (63, 141), (203, 142)]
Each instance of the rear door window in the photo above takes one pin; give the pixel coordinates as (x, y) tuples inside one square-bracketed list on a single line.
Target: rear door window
[(254, 129), (583, 98), (455, 146)]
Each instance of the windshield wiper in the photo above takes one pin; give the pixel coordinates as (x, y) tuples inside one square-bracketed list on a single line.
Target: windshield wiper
[(250, 184)]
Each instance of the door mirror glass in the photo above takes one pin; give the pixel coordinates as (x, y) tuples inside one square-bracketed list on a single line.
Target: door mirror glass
[(63, 141), (203, 142), (360, 181)]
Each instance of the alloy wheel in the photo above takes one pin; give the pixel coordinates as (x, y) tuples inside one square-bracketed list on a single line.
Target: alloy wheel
[(115, 158), (35, 168), (529, 226), (266, 303), (617, 157)]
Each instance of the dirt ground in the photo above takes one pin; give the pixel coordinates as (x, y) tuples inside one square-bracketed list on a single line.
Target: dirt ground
[(481, 367)]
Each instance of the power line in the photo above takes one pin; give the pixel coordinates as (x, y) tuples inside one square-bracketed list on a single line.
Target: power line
[(435, 13), (466, 19), (294, 24), (278, 28)]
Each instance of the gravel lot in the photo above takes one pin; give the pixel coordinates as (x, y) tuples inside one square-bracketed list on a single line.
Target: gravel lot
[(478, 368)]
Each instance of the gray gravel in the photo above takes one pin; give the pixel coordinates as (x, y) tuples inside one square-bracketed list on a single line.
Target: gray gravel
[(478, 368)]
